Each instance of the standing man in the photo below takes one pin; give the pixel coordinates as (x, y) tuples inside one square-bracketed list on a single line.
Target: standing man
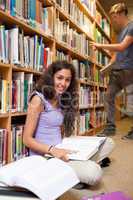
[(121, 74)]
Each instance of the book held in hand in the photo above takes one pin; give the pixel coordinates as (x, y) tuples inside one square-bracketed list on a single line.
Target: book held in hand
[(106, 69), (110, 66), (84, 147), (47, 179)]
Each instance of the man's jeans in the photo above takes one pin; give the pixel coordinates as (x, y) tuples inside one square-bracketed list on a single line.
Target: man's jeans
[(119, 79)]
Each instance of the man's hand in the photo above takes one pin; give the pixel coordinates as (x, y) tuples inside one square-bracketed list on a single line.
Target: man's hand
[(95, 45)]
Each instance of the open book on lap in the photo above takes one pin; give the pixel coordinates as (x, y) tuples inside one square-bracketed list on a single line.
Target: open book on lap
[(84, 146), (47, 179)]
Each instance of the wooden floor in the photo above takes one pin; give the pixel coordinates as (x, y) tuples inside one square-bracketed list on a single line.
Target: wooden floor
[(119, 175)]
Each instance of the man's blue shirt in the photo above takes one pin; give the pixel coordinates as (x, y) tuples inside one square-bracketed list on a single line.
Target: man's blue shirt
[(125, 58)]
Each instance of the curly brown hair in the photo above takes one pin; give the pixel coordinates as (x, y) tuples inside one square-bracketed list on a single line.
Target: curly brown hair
[(68, 101)]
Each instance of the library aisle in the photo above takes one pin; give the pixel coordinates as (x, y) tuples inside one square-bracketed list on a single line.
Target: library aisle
[(33, 34), (119, 175)]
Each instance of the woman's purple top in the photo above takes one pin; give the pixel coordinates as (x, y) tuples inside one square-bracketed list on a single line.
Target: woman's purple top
[(48, 130)]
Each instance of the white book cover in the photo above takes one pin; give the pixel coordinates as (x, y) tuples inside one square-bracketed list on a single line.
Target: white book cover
[(3, 47), (31, 45), (14, 35), (48, 179)]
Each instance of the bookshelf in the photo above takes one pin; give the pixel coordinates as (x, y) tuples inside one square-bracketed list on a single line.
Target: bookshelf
[(30, 41)]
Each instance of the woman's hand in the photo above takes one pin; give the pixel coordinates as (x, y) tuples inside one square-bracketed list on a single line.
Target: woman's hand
[(61, 153)]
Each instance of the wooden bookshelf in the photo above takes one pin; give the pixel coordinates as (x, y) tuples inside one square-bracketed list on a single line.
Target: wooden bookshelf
[(80, 54), (4, 115), (18, 114), (23, 69)]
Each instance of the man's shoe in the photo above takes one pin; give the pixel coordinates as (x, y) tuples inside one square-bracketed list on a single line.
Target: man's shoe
[(105, 162), (109, 130), (129, 135)]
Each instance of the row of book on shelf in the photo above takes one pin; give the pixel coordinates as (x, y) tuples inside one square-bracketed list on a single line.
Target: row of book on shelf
[(103, 22), (89, 97), (76, 39), (43, 16), (63, 31), (22, 85), (31, 51), (31, 12), (73, 9), (90, 119), (17, 148), (85, 70), (25, 51)]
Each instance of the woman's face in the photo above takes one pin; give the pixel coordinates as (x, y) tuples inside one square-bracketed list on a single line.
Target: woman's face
[(62, 80)]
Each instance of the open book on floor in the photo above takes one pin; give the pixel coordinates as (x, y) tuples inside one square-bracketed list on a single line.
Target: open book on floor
[(47, 179), (84, 146), (15, 193)]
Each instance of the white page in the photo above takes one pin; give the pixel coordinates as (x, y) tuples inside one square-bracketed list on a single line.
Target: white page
[(86, 146), (48, 179), (84, 140), (23, 165)]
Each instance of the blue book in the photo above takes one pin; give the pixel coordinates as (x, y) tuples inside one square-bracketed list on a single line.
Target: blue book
[(13, 7), (32, 9)]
